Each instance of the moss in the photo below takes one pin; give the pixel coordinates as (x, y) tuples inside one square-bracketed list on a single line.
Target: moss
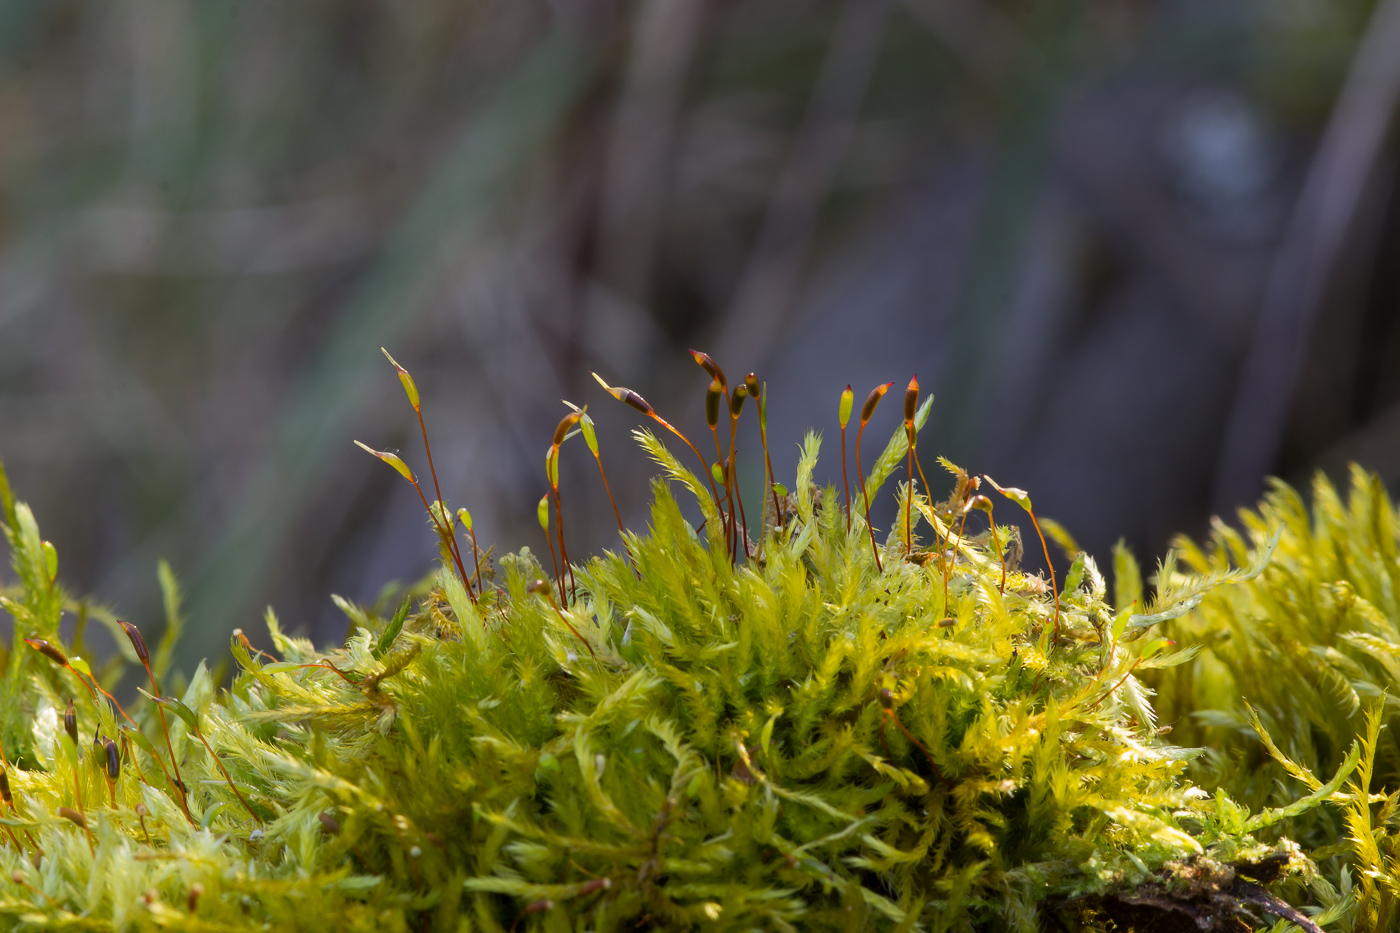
[(1308, 656), (804, 739)]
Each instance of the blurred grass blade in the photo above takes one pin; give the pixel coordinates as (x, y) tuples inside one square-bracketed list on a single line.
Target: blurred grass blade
[(498, 144)]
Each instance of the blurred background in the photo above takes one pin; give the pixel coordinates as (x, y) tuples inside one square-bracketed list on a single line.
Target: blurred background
[(1142, 251)]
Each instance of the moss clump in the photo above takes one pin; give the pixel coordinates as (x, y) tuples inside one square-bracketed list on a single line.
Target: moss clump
[(687, 739), (1308, 655)]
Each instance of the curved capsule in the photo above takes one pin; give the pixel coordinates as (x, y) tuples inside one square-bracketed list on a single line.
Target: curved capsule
[(408, 385), (566, 424), (394, 460), (872, 400), (47, 650), (137, 642), (710, 366), (626, 395)]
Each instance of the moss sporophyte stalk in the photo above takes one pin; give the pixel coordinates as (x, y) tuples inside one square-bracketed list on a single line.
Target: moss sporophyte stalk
[(780, 719)]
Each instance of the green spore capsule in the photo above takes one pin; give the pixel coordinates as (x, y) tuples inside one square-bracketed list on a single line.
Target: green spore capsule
[(712, 399)]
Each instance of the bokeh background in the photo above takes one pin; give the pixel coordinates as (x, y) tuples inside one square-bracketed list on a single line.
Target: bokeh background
[(1142, 251)]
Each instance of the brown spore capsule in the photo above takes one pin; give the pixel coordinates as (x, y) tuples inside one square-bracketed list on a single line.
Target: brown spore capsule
[(637, 402), (73, 816), (710, 366), (48, 651), (196, 892), (872, 400), (911, 400), (5, 788), (329, 823), (565, 425), (70, 722), (751, 383), (114, 759), (736, 403), (137, 642)]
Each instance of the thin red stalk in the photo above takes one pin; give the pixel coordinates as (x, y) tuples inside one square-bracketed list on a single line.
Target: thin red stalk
[(714, 490), (135, 762), (1109, 692), (922, 479), (554, 560), (19, 880), (78, 795), (115, 704), (85, 684), (728, 497), (768, 465), (165, 729), (448, 537), (476, 559), (920, 746), (1054, 587), (735, 499), (200, 735), (141, 816), (743, 517), (452, 538), (734, 478), (563, 551), (860, 477), (163, 769), (730, 481), (845, 483), (909, 507), (953, 559), (567, 624), (616, 514), (943, 562), (997, 544)]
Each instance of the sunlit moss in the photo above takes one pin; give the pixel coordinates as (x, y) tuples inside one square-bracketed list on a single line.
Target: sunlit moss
[(796, 741)]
